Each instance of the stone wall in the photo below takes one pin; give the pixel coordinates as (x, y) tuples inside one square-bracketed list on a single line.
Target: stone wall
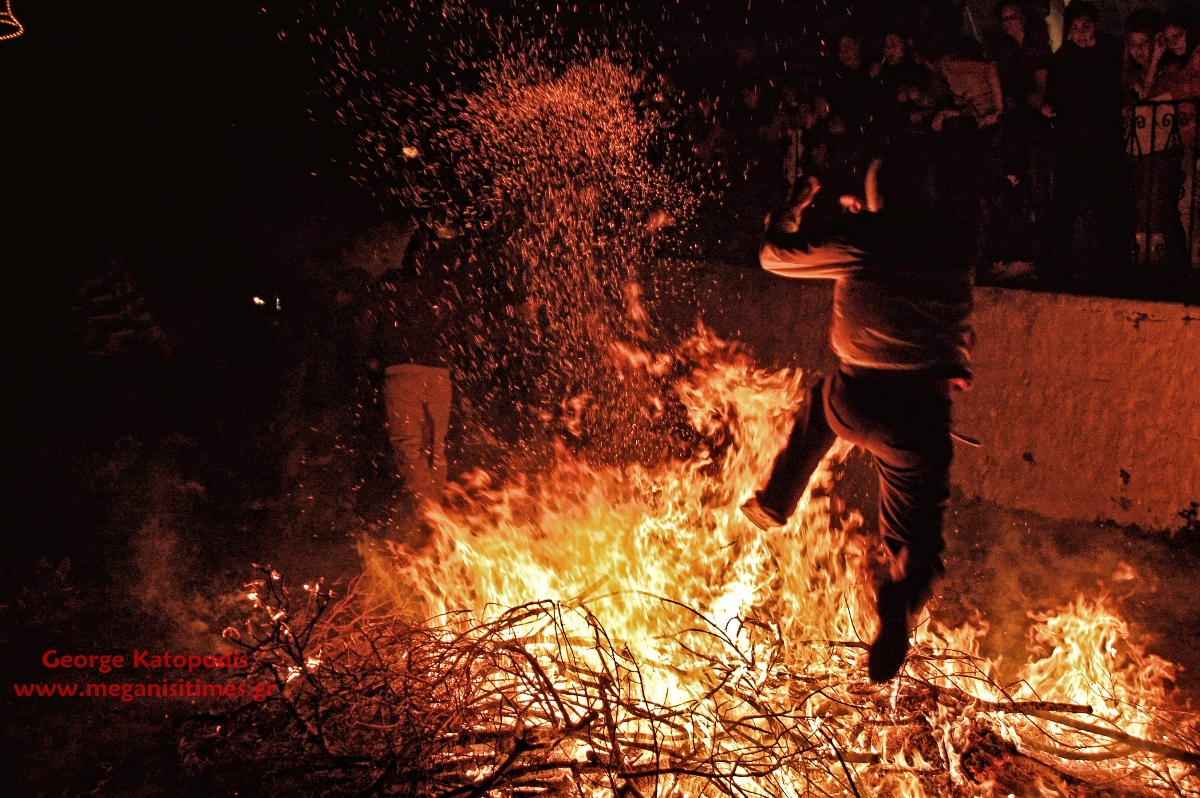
[(1087, 408)]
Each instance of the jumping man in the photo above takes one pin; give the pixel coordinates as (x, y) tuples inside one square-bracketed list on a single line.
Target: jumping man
[(900, 259)]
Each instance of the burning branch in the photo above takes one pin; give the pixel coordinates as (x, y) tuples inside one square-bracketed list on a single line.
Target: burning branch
[(526, 705)]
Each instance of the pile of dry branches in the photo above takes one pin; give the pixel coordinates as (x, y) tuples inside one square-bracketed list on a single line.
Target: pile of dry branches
[(373, 705)]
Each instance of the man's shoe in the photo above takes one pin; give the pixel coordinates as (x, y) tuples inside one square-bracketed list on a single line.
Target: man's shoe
[(888, 652), (760, 516)]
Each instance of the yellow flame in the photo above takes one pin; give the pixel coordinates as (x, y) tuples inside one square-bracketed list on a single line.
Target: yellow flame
[(625, 539), (650, 550)]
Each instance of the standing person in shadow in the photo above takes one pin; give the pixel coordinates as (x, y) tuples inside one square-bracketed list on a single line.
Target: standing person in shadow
[(1083, 100), (901, 262), (1023, 65), (410, 301)]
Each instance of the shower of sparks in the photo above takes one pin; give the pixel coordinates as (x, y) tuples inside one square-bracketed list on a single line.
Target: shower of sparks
[(551, 165)]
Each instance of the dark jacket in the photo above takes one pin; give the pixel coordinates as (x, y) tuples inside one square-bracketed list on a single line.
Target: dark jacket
[(407, 316), (1084, 89), (1018, 67), (903, 292)]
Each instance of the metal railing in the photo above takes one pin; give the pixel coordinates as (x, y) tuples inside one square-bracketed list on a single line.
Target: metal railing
[(1161, 158)]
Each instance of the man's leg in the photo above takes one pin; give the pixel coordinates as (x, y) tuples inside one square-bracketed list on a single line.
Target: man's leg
[(913, 489), (807, 444), (438, 396), (907, 429), (404, 395)]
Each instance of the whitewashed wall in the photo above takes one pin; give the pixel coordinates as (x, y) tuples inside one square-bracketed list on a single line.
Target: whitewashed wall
[(1087, 408)]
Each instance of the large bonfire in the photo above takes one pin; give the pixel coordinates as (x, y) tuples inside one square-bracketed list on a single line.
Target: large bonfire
[(624, 631), (620, 630)]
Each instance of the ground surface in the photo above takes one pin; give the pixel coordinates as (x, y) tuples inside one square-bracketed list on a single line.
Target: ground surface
[(1008, 564), (1005, 565)]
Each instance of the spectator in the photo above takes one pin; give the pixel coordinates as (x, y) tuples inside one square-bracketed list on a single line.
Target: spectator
[(791, 119), (903, 85), (1155, 154), (1083, 99), (1174, 67), (754, 151), (837, 155), (974, 85), (408, 307), (820, 127), (1022, 65), (967, 127), (1022, 58), (1141, 29), (851, 94), (1174, 71)]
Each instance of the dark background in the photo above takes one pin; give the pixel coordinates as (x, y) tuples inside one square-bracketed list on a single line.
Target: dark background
[(179, 134), (133, 491), (191, 138)]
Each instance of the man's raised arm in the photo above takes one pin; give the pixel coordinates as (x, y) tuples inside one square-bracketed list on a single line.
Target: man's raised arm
[(792, 252)]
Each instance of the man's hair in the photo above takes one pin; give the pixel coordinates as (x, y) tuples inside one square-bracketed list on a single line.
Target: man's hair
[(1081, 8), (907, 177), (1182, 17), (919, 175), (1144, 20), (1020, 7)]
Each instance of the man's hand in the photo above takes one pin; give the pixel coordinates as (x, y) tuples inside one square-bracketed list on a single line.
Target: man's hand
[(807, 192), (790, 221), (852, 203)]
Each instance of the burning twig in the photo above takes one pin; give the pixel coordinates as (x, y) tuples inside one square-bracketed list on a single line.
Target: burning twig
[(525, 705), (1131, 742)]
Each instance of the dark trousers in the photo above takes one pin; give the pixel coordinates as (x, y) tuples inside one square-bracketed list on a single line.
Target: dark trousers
[(904, 422), (1084, 168), (1155, 185), (1017, 225)]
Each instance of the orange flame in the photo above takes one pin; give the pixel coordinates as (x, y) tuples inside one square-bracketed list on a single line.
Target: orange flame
[(664, 561)]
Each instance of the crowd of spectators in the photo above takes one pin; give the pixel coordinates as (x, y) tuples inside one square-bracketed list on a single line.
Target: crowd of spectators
[(1077, 163)]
